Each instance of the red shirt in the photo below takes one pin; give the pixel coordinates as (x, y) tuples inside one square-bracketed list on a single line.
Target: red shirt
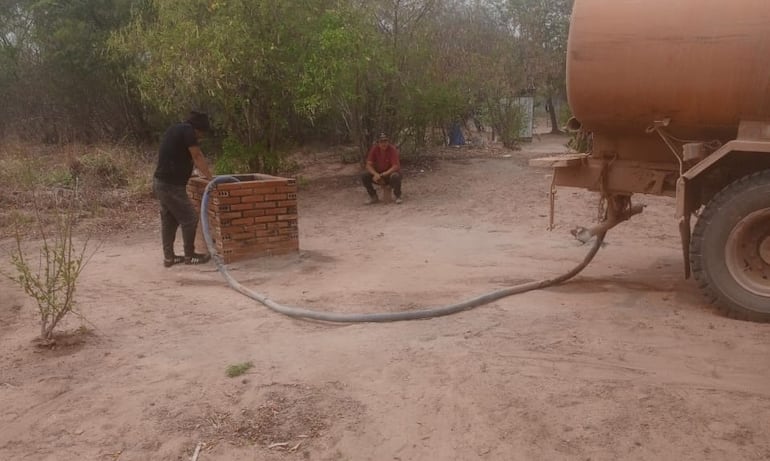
[(384, 158)]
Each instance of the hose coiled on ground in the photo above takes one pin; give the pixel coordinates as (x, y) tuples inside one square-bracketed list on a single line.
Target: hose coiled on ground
[(299, 312)]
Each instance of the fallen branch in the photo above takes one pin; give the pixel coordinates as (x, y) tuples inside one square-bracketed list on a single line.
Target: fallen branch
[(197, 451)]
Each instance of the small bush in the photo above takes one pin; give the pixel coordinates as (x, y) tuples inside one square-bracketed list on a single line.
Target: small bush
[(350, 157), (507, 119), (19, 173), (302, 182), (236, 157), (56, 177), (51, 278), (239, 158), (581, 141), (565, 113), (238, 369), (101, 168)]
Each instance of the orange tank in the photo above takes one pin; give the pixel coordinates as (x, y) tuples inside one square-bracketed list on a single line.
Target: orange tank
[(705, 64), (676, 97)]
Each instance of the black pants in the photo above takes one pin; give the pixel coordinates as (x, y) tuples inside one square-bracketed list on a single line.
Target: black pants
[(176, 210), (393, 180)]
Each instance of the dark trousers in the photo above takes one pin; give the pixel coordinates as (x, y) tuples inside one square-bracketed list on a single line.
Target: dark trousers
[(393, 180), (176, 210)]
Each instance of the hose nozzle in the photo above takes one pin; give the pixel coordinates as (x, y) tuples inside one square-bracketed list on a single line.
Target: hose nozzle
[(585, 235)]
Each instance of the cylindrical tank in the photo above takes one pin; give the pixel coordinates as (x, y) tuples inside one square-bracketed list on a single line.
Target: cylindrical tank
[(705, 64)]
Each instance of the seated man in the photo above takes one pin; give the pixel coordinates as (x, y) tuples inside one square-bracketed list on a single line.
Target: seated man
[(382, 167)]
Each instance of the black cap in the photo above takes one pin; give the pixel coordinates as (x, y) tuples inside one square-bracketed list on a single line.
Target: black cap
[(199, 120)]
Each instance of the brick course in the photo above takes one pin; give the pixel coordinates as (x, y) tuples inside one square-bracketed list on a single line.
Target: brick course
[(254, 217)]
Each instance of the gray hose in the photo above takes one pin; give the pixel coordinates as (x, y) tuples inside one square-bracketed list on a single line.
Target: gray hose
[(438, 311)]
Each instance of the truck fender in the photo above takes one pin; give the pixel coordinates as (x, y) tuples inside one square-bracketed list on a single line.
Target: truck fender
[(687, 192)]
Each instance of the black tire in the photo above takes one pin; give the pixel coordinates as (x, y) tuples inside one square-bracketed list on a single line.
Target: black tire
[(728, 264)]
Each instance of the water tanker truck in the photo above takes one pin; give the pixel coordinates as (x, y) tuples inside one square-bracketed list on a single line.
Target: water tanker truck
[(675, 99)]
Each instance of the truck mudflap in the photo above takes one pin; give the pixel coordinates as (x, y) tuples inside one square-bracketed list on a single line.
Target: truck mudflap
[(684, 210)]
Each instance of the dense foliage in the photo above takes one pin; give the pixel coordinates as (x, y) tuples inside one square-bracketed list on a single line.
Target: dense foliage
[(274, 73)]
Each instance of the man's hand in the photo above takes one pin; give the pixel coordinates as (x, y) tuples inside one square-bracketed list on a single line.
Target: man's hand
[(377, 178), (200, 162)]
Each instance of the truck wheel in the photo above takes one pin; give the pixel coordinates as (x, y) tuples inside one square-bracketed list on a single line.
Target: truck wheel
[(730, 249)]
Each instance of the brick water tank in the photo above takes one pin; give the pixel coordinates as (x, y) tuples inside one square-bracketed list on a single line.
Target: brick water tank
[(256, 216)]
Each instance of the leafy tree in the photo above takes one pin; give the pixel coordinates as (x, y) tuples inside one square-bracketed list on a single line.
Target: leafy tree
[(542, 27), (261, 67), (273, 73), (345, 73), (60, 83), (478, 59)]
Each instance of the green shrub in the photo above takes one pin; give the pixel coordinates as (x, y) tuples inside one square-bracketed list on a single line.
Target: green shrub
[(236, 157), (238, 369), (19, 173), (57, 177), (565, 113), (105, 169), (581, 141), (51, 278), (508, 121)]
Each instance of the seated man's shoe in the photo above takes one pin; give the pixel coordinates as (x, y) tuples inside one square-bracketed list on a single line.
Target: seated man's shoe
[(398, 201), (372, 200)]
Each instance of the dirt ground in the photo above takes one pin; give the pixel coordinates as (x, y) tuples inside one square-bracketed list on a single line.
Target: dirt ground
[(624, 362)]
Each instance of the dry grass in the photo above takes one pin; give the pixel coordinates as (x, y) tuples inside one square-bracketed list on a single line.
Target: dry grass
[(112, 184)]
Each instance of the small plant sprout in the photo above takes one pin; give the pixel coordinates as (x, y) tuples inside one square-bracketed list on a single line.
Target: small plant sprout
[(238, 369)]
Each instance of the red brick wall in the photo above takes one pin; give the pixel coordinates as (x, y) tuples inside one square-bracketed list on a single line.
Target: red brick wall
[(254, 217)]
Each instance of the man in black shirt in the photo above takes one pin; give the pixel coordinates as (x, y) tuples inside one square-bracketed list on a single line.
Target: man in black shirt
[(179, 152)]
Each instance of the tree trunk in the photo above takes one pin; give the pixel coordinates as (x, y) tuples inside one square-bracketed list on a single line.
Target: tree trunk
[(552, 112)]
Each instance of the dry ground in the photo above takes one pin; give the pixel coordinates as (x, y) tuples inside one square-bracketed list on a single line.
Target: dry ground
[(624, 362)]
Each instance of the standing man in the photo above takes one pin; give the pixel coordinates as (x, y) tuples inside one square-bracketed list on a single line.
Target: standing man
[(179, 152), (382, 167)]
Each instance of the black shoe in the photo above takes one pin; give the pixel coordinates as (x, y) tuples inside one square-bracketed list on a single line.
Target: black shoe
[(197, 259), (168, 262)]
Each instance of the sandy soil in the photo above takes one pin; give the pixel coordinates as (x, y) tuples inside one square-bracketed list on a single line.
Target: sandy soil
[(624, 362)]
